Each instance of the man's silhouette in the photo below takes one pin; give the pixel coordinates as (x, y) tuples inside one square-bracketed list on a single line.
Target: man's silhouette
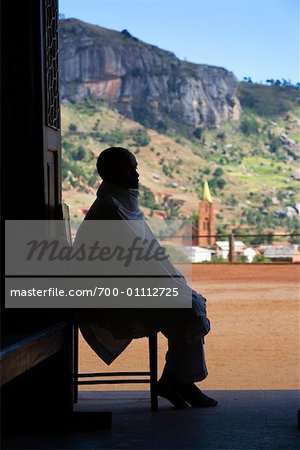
[(108, 332)]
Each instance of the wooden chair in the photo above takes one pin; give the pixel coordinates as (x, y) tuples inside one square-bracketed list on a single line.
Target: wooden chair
[(81, 378)]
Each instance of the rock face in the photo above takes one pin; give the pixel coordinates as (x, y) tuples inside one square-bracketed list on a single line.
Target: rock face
[(143, 82)]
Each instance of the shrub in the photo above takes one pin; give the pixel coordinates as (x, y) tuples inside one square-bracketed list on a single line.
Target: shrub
[(113, 137), (232, 201), (76, 170), (72, 127), (147, 198), (66, 145), (96, 125), (221, 183), (217, 259), (198, 133), (294, 239), (65, 167), (141, 138), (78, 154), (218, 172), (249, 126), (92, 179), (260, 259), (275, 144), (161, 126), (223, 161), (247, 99), (167, 169)]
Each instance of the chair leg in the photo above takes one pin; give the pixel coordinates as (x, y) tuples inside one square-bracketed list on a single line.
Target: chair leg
[(75, 363), (153, 371)]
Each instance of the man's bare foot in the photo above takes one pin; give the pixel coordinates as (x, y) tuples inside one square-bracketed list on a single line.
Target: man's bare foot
[(168, 390), (194, 396)]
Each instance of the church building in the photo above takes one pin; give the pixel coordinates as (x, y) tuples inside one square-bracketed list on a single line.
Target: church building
[(206, 219)]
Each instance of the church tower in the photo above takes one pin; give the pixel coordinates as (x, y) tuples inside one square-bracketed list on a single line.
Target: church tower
[(206, 219)]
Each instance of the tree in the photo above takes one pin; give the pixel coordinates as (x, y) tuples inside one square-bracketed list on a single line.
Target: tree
[(218, 172), (221, 183)]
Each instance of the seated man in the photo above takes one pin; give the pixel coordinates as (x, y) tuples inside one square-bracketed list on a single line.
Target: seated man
[(110, 331)]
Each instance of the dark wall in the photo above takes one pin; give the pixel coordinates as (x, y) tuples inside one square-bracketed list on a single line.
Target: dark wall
[(22, 157), (23, 139), (27, 146)]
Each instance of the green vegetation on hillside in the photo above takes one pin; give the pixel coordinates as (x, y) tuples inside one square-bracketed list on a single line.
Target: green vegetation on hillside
[(268, 101), (251, 165)]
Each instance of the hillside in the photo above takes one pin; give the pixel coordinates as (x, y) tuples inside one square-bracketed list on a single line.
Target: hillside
[(251, 164)]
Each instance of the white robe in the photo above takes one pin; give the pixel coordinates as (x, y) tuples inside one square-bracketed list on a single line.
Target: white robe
[(102, 329)]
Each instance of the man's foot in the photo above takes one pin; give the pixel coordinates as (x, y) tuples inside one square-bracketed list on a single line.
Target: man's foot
[(168, 390), (195, 397)]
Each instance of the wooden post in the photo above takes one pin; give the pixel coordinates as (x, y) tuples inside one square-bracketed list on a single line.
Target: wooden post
[(153, 371), (231, 248)]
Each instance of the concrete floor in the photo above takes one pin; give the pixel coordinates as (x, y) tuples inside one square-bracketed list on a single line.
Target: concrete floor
[(243, 420)]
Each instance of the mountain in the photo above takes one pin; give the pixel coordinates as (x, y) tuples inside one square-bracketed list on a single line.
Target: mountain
[(248, 152), (145, 83)]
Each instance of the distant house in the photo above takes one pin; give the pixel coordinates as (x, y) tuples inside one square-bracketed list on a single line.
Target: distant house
[(249, 253), (196, 254), (222, 248), (288, 253)]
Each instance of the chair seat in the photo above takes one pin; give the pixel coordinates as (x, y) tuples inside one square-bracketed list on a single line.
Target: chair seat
[(105, 377)]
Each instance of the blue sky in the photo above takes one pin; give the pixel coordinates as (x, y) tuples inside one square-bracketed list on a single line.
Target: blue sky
[(256, 38)]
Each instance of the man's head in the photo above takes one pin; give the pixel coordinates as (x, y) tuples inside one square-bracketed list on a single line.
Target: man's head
[(118, 165)]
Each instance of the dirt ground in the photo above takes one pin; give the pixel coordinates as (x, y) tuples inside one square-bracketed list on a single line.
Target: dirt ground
[(254, 340)]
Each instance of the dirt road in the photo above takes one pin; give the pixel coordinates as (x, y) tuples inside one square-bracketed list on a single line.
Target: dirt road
[(254, 341)]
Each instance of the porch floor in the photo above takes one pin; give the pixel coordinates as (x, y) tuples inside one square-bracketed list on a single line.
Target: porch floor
[(243, 420)]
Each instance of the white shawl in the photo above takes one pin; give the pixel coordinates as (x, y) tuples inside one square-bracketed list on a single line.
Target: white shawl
[(101, 339)]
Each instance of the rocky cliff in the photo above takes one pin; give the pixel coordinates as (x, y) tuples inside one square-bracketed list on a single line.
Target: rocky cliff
[(143, 82)]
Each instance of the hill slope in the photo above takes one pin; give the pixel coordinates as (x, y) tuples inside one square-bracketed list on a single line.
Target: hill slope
[(251, 164)]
